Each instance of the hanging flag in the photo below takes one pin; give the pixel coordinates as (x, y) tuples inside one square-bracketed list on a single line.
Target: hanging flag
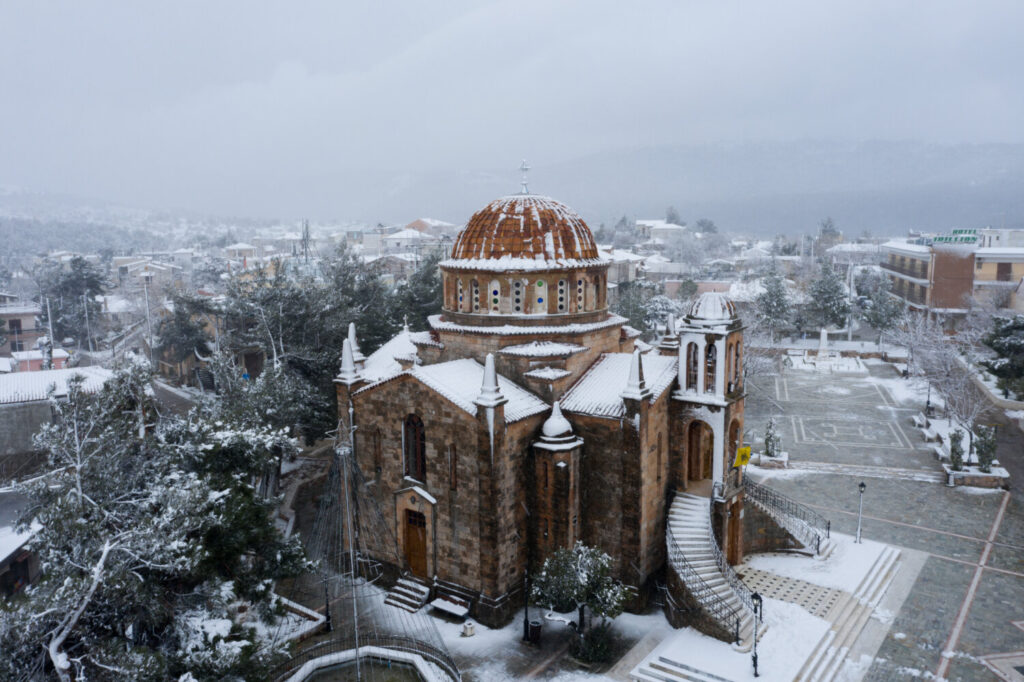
[(742, 456)]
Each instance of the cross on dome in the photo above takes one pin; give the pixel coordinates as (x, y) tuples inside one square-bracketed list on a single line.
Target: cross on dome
[(525, 169)]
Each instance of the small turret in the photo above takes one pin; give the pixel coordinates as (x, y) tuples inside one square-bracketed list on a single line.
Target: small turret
[(636, 387)]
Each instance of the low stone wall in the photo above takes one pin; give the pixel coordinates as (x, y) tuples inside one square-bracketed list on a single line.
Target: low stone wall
[(762, 534), (683, 610), (997, 478)]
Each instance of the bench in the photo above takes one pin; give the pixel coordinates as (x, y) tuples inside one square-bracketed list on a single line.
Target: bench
[(930, 435), (920, 421), (451, 605), (940, 453)]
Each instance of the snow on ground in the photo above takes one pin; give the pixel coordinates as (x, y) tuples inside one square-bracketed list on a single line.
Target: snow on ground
[(907, 392), (791, 637), (844, 569)]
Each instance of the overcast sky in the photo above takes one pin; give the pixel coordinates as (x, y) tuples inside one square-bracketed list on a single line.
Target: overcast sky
[(248, 108)]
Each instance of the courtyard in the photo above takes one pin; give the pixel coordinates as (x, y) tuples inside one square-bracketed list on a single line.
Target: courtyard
[(962, 617)]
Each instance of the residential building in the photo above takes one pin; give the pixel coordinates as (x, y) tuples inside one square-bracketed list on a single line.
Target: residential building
[(18, 323)]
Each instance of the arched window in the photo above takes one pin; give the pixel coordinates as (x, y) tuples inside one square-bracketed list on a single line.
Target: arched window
[(475, 286), (458, 292), (730, 359), (691, 366), (375, 445), (517, 295), (739, 364), (562, 303), (580, 299), (658, 465), (597, 293), (494, 296), (414, 448), (709, 368)]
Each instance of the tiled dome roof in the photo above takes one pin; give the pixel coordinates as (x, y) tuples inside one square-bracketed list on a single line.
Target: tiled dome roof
[(524, 231)]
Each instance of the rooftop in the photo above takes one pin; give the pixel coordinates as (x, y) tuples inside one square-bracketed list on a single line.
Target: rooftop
[(597, 391), (21, 387)]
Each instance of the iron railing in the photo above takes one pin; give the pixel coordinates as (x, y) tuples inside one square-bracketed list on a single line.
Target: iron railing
[(384, 641), (712, 602), (742, 592), (806, 525)]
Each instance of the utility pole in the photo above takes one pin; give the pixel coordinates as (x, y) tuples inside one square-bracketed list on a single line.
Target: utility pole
[(48, 360), (149, 322), (88, 330), (305, 240)]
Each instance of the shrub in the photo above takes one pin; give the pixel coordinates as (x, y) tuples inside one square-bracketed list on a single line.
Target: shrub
[(956, 449)]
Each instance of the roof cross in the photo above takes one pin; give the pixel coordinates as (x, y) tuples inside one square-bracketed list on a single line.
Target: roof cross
[(525, 169)]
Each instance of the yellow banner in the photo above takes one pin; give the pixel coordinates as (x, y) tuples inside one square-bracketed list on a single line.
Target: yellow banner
[(742, 456)]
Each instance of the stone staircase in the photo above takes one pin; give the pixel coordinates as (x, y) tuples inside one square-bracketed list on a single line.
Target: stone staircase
[(409, 593), (666, 669), (693, 555), (848, 618)]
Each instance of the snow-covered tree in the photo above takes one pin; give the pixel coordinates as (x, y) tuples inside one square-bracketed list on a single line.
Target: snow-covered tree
[(985, 447), (421, 296), (828, 298), (151, 540), (657, 310), (773, 303), (883, 311), (771, 439), (580, 578), (1007, 340), (672, 216), (956, 449), (631, 299)]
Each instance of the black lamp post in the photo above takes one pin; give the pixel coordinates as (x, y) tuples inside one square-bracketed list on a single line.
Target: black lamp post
[(860, 511), (756, 598)]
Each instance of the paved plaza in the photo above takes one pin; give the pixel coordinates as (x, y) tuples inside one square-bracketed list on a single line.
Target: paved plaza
[(965, 596)]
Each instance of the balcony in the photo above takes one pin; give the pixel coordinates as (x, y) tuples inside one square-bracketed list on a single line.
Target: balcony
[(915, 274)]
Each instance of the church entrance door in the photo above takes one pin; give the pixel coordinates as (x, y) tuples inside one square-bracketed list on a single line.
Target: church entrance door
[(416, 542)]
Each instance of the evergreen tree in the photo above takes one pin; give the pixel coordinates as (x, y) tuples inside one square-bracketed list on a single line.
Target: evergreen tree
[(657, 309), (672, 216), (706, 226), (771, 440), (883, 311), (773, 303), (72, 296), (1007, 340), (151, 536), (631, 300), (422, 295), (985, 447), (828, 298), (580, 578), (183, 332), (956, 450)]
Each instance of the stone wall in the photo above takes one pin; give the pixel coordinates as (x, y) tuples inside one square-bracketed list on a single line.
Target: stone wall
[(18, 423), (762, 534)]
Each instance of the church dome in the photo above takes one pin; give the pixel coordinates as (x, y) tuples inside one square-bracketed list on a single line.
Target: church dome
[(712, 307), (524, 232)]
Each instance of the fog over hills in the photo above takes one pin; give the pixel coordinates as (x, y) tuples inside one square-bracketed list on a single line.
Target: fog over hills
[(756, 188)]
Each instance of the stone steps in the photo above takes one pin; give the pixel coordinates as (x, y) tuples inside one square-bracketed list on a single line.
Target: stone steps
[(408, 594), (851, 615), (665, 669)]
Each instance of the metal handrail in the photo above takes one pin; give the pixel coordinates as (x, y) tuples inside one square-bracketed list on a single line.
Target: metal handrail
[(743, 592), (393, 642), (709, 600), (808, 526)]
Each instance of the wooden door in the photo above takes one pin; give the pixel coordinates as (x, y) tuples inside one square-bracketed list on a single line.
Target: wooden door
[(416, 542)]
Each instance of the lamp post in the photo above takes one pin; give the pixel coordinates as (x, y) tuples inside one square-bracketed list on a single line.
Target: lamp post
[(756, 598), (860, 510)]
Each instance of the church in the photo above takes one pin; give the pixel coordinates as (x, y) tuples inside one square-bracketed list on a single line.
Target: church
[(529, 417)]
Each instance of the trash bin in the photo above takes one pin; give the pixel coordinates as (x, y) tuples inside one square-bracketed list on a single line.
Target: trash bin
[(534, 634)]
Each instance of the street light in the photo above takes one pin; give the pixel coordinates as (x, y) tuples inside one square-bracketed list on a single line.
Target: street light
[(860, 511), (756, 598)]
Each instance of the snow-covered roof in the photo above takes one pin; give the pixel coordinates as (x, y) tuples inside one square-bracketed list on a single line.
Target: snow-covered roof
[(907, 247), (6, 365), (853, 247), (114, 304), (11, 505), (659, 225), (459, 381), (29, 355), (1000, 253), (20, 309), (542, 349), (239, 246), (621, 255), (597, 391), (22, 387), (410, 234), (510, 329), (381, 363)]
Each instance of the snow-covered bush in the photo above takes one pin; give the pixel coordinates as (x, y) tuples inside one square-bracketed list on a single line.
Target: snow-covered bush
[(956, 449), (985, 447)]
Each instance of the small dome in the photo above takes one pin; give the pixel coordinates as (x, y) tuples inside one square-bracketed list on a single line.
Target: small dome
[(712, 307), (556, 425), (531, 229)]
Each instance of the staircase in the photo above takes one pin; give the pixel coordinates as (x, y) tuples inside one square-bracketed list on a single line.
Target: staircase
[(848, 621), (409, 593), (807, 526), (666, 669), (697, 560)]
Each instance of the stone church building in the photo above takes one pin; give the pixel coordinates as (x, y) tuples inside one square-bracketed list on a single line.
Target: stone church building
[(529, 417)]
